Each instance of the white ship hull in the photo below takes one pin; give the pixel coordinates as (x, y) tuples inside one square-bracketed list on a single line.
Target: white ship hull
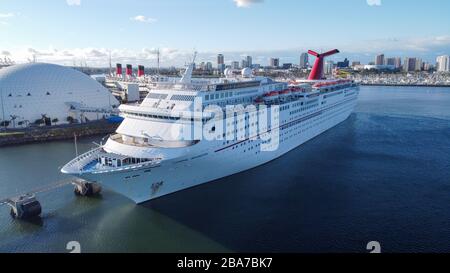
[(212, 160)]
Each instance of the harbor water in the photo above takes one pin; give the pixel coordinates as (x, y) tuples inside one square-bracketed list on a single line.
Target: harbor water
[(383, 175)]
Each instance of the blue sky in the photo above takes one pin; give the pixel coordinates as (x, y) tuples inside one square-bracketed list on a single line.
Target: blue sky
[(67, 31)]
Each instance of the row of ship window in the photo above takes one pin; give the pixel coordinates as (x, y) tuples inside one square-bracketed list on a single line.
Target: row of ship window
[(161, 117), (219, 96), (332, 95), (295, 124), (303, 109)]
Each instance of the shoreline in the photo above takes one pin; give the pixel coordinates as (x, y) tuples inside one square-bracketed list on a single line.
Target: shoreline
[(13, 137)]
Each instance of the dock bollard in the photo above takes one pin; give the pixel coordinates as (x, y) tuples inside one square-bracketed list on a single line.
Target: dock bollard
[(85, 188), (25, 207)]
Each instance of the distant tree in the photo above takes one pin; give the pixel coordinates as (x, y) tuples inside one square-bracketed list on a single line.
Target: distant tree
[(47, 120), (5, 123), (70, 120), (55, 120), (39, 122)]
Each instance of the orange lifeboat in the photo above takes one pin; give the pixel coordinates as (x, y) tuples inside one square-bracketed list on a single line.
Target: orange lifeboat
[(271, 96), (286, 92), (259, 100)]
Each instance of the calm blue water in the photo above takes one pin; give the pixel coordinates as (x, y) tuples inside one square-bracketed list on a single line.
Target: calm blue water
[(383, 175)]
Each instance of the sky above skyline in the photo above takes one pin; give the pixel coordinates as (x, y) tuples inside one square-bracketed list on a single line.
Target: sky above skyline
[(74, 31)]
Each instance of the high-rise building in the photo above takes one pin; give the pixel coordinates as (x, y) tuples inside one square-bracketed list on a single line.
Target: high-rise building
[(202, 66), (390, 61), (274, 62), (419, 65), (208, 66), (304, 59), (409, 64), (443, 63), (328, 67), (220, 59), (220, 63), (244, 64), (287, 66), (235, 65), (249, 61), (343, 64), (427, 66), (356, 63), (394, 62), (379, 60), (398, 63)]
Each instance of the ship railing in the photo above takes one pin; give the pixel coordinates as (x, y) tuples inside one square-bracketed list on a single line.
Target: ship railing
[(152, 163), (194, 87), (80, 161)]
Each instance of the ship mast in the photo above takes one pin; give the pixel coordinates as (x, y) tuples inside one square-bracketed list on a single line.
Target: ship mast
[(187, 76), (157, 57), (110, 65)]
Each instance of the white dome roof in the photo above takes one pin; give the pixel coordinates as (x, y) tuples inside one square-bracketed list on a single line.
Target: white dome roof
[(228, 72), (30, 90), (247, 72)]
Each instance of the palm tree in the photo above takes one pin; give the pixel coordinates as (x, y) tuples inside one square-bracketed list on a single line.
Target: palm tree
[(44, 119), (70, 119), (13, 119)]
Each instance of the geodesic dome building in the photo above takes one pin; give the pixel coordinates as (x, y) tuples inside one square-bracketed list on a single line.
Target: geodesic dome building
[(57, 94)]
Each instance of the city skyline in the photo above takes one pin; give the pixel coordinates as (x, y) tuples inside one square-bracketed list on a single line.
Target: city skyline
[(74, 31)]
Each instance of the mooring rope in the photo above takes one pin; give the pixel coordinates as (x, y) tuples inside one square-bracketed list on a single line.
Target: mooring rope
[(43, 189)]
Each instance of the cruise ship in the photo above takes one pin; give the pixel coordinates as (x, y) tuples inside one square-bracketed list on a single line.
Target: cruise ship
[(192, 131)]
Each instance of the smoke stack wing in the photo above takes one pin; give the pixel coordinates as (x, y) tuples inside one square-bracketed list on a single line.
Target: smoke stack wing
[(317, 70)]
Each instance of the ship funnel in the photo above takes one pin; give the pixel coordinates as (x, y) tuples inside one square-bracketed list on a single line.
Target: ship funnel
[(141, 71), (317, 70), (118, 70), (129, 70)]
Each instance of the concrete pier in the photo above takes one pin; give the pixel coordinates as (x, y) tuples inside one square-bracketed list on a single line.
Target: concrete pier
[(61, 132)]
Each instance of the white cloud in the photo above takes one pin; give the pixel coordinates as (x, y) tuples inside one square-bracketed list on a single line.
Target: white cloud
[(143, 19), (6, 15), (73, 2), (246, 3), (374, 2), (99, 57), (426, 47)]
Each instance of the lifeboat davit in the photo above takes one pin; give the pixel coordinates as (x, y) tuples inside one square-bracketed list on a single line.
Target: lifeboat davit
[(259, 100), (285, 93), (271, 96), (296, 90)]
